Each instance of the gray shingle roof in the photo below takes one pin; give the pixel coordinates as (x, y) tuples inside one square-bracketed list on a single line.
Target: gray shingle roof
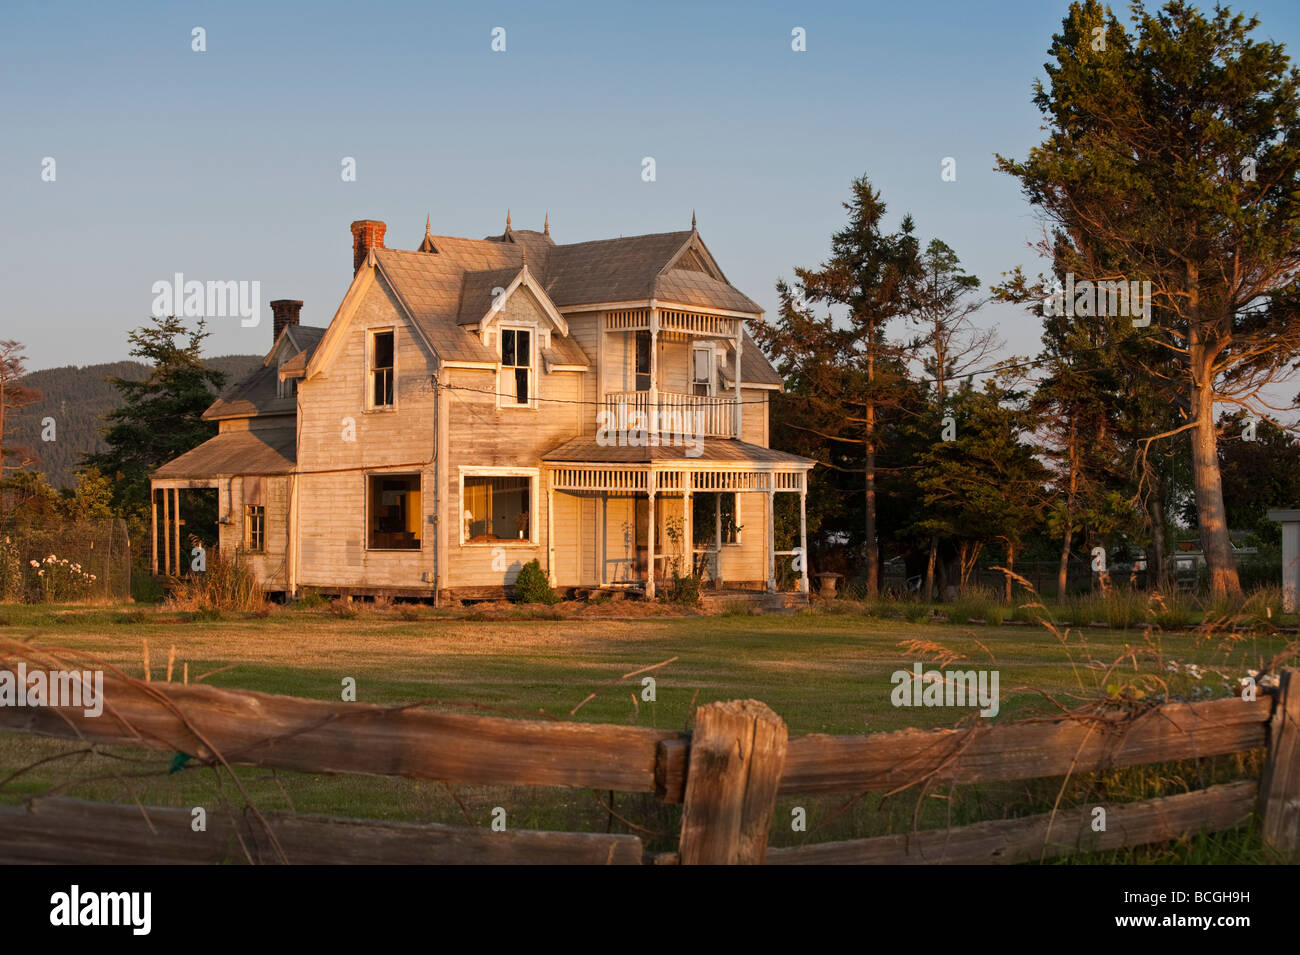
[(450, 290), (258, 392), (265, 451)]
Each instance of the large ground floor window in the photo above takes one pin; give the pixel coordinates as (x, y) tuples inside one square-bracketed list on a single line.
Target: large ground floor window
[(393, 511), (497, 508)]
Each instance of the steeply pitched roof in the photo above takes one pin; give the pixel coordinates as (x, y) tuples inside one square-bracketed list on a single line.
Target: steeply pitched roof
[(477, 293), (258, 393), (610, 270), (449, 291), (264, 451)]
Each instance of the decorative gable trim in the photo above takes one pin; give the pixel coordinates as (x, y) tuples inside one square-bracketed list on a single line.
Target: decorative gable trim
[(525, 279), (696, 245)]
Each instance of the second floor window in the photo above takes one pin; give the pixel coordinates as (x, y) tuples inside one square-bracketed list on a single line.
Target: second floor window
[(643, 361), (702, 371), (516, 365), (381, 369)]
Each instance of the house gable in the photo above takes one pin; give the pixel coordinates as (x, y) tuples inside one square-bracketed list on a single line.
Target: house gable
[(369, 286)]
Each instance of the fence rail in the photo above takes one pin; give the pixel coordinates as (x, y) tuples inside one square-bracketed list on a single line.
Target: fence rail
[(728, 773)]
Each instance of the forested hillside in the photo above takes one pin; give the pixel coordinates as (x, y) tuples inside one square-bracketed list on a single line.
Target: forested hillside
[(77, 398)]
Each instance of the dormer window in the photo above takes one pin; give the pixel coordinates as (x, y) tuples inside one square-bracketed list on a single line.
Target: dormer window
[(285, 387), (382, 369), (516, 366)]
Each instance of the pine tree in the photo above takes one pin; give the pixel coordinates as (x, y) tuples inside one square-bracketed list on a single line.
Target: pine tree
[(846, 372), (161, 416)]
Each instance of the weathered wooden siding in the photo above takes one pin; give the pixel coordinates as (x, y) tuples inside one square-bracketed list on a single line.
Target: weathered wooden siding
[(747, 561), (584, 328), (340, 442), (270, 565), (753, 421), (483, 435)]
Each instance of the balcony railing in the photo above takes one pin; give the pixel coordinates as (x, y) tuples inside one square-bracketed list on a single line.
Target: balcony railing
[(701, 415)]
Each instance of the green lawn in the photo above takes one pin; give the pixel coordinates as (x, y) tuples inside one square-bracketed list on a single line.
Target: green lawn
[(821, 672)]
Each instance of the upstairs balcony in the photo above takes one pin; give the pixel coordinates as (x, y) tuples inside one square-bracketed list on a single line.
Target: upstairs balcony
[(707, 416)]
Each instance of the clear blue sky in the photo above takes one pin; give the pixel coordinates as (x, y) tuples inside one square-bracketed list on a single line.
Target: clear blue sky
[(226, 164)]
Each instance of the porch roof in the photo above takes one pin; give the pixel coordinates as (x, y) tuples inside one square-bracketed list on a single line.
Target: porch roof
[(265, 451), (587, 450)]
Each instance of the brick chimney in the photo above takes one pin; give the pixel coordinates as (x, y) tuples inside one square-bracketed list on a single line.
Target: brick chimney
[(367, 234), (286, 312)]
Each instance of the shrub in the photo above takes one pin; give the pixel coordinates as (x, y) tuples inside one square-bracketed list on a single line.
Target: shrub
[(225, 585), (977, 603), (309, 599), (682, 590), (532, 587)]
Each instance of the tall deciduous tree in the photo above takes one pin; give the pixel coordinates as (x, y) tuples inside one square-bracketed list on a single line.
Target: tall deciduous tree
[(1173, 156), (161, 416)]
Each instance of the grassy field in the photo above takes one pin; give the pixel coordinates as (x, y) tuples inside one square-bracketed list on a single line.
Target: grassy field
[(822, 672)]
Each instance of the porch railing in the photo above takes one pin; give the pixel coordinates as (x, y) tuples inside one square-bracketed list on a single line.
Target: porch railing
[(714, 417)]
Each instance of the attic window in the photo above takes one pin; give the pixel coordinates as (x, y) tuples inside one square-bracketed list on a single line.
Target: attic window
[(516, 366), (381, 369)]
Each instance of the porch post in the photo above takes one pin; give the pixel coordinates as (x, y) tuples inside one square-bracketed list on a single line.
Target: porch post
[(688, 523), (653, 411), (167, 531), (550, 527), (771, 533), (740, 410), (803, 529), (717, 539), (153, 523), (176, 516), (650, 534)]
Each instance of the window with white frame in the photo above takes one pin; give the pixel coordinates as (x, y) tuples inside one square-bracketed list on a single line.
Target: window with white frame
[(702, 370), (383, 368), (497, 508), (516, 366)]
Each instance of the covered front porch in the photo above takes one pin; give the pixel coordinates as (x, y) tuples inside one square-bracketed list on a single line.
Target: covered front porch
[(633, 517)]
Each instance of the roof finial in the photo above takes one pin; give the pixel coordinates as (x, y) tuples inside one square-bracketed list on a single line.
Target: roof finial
[(692, 220), (507, 220), (523, 251), (546, 225), (428, 223)]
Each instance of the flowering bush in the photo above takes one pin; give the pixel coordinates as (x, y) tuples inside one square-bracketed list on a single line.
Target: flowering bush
[(59, 579)]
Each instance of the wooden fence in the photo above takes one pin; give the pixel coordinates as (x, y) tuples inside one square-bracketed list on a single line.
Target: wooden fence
[(728, 773)]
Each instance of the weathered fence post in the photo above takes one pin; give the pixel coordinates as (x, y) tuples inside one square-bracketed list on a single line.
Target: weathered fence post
[(1279, 786), (736, 758)]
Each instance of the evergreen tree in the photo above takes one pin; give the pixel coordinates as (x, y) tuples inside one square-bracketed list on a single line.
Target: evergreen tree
[(866, 279), (1173, 156), (161, 416)]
